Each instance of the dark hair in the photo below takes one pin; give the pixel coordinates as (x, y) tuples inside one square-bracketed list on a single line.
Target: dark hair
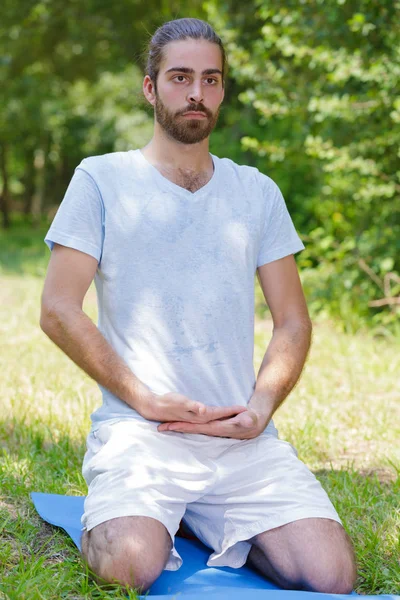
[(179, 29)]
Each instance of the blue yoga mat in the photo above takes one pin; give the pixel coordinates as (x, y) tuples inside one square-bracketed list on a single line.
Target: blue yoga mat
[(194, 579)]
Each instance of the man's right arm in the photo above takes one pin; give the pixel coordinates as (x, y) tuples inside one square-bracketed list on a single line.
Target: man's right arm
[(69, 275)]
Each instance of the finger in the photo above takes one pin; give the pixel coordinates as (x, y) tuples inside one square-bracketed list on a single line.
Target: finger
[(233, 427), (182, 427), (238, 427), (194, 427), (201, 413), (223, 428), (212, 428), (222, 412)]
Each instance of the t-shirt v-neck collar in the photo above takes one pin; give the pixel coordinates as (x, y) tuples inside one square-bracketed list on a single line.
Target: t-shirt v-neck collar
[(177, 189)]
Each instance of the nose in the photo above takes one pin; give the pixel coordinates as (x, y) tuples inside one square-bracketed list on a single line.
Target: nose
[(195, 94)]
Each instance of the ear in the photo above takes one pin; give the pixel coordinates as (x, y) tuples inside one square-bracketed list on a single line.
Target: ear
[(148, 90)]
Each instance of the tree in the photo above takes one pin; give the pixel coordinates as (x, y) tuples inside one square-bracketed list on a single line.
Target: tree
[(322, 80)]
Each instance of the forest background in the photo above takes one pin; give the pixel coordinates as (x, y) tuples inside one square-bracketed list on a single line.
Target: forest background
[(312, 101)]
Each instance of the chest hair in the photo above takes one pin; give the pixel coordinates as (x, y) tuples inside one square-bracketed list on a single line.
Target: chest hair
[(188, 180)]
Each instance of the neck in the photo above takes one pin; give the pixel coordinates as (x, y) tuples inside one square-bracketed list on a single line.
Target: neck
[(167, 152)]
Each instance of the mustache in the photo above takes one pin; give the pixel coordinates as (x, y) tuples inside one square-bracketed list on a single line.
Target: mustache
[(195, 108)]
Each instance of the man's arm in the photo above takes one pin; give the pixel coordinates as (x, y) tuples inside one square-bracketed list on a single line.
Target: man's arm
[(287, 351), (69, 275), (283, 360)]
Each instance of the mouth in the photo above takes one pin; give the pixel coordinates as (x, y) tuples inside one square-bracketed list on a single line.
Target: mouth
[(194, 114)]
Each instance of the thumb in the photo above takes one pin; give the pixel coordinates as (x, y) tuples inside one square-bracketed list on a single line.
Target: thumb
[(247, 420), (196, 407)]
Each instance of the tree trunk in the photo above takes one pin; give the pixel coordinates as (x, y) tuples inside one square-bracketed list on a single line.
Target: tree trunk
[(29, 183), (4, 198), (40, 180)]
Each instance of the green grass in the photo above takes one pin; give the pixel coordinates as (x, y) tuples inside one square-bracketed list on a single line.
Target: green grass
[(343, 417)]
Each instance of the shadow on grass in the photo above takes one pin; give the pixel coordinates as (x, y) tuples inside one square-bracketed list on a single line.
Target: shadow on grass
[(34, 555)]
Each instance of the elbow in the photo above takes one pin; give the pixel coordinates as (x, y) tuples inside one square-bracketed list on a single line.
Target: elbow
[(50, 316), (46, 321), (300, 323), (308, 325), (56, 315), (304, 322), (309, 329), (299, 327), (306, 329), (305, 325)]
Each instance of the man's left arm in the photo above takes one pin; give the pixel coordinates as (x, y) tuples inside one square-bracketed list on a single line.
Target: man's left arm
[(287, 351), (283, 361)]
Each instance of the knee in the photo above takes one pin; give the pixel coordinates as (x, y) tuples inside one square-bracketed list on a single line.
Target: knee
[(330, 585), (331, 580), (331, 574), (329, 566), (130, 565)]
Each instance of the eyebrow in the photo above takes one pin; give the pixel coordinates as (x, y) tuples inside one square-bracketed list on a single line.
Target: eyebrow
[(191, 71)]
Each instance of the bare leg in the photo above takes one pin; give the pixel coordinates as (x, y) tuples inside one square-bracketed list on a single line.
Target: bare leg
[(309, 554), (130, 551)]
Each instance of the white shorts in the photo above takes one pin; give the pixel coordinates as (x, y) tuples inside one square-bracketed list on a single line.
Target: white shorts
[(226, 490)]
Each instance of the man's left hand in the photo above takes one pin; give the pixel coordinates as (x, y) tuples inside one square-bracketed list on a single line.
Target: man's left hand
[(244, 426)]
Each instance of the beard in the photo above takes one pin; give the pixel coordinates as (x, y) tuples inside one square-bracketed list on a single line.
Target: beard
[(185, 130)]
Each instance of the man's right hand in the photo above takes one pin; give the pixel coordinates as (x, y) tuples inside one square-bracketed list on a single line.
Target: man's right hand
[(178, 407)]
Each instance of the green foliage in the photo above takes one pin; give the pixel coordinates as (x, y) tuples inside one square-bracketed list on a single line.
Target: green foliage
[(71, 79), (322, 82), (311, 100)]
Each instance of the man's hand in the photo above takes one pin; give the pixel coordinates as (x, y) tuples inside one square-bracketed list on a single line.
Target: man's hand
[(246, 425), (179, 408)]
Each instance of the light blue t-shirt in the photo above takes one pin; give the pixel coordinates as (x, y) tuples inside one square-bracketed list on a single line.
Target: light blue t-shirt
[(175, 279)]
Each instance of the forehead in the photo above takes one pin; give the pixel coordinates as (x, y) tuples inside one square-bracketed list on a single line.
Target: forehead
[(194, 54)]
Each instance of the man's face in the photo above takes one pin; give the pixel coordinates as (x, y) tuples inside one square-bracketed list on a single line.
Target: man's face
[(189, 79)]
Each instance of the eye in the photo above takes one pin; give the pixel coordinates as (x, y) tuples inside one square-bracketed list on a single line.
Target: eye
[(183, 77), (212, 80)]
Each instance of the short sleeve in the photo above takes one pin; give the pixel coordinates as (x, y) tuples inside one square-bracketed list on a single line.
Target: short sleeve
[(279, 237), (79, 221)]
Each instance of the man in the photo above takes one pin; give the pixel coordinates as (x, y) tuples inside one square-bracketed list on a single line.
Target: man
[(173, 236)]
